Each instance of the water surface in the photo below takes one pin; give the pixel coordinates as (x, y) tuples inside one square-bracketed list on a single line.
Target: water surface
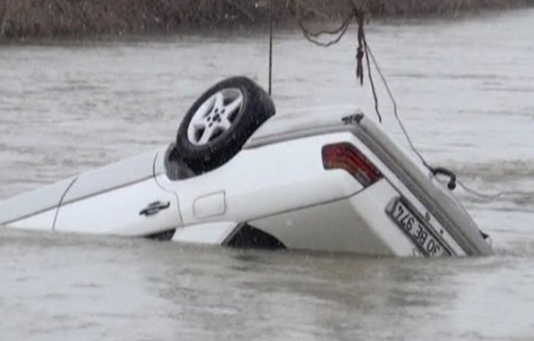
[(464, 89)]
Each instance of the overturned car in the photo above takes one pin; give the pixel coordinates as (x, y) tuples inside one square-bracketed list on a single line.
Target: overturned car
[(236, 176)]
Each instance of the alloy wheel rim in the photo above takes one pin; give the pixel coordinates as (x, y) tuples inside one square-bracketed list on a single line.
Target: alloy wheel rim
[(215, 116)]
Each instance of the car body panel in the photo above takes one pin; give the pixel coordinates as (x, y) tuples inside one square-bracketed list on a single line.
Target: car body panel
[(419, 182), (214, 233), (341, 226), (42, 202), (105, 200), (118, 212), (119, 174), (40, 221), (416, 181), (253, 184)]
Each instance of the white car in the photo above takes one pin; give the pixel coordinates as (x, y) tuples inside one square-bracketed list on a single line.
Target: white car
[(238, 177)]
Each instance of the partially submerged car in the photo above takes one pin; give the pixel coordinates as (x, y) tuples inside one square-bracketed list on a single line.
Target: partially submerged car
[(238, 177)]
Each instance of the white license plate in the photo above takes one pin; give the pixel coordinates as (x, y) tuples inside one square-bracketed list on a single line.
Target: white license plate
[(417, 231)]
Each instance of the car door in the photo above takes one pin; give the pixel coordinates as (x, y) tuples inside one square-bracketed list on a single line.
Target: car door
[(121, 199)]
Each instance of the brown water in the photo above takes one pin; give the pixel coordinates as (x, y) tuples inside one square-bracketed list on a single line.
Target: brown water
[(464, 89)]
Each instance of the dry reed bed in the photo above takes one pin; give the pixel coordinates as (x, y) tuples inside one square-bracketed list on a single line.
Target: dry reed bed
[(53, 18)]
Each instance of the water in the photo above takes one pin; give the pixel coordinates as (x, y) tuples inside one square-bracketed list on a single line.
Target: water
[(464, 89)]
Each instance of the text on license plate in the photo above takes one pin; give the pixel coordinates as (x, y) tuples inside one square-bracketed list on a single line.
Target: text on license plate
[(416, 230)]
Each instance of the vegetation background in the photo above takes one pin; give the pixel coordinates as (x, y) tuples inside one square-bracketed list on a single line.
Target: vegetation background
[(53, 18)]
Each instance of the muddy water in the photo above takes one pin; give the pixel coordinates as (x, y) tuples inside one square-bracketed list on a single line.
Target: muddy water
[(464, 89)]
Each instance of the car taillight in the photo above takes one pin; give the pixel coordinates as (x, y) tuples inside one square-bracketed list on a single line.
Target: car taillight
[(346, 156)]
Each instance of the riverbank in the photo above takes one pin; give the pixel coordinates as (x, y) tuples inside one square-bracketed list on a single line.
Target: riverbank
[(21, 19)]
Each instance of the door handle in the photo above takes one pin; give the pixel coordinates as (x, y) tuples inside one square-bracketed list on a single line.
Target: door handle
[(154, 208)]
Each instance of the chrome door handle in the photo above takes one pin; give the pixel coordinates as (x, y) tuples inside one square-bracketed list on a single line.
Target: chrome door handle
[(154, 208)]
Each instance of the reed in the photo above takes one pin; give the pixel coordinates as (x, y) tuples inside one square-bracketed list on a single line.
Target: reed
[(53, 18)]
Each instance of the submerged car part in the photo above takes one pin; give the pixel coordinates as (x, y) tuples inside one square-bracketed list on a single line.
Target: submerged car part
[(318, 181)]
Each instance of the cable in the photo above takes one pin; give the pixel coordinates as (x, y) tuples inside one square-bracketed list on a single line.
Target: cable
[(340, 31), (489, 197), (395, 111), (270, 46), (453, 181), (311, 36), (365, 50), (371, 80), (358, 14)]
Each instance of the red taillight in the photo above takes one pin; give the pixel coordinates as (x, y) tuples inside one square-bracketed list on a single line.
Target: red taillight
[(346, 156)]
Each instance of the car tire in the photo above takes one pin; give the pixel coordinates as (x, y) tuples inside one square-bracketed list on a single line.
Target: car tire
[(220, 122)]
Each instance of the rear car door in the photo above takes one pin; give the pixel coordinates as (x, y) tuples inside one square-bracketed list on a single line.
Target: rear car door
[(121, 199)]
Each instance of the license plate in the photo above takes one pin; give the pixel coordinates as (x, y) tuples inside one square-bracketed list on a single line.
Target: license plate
[(416, 230)]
